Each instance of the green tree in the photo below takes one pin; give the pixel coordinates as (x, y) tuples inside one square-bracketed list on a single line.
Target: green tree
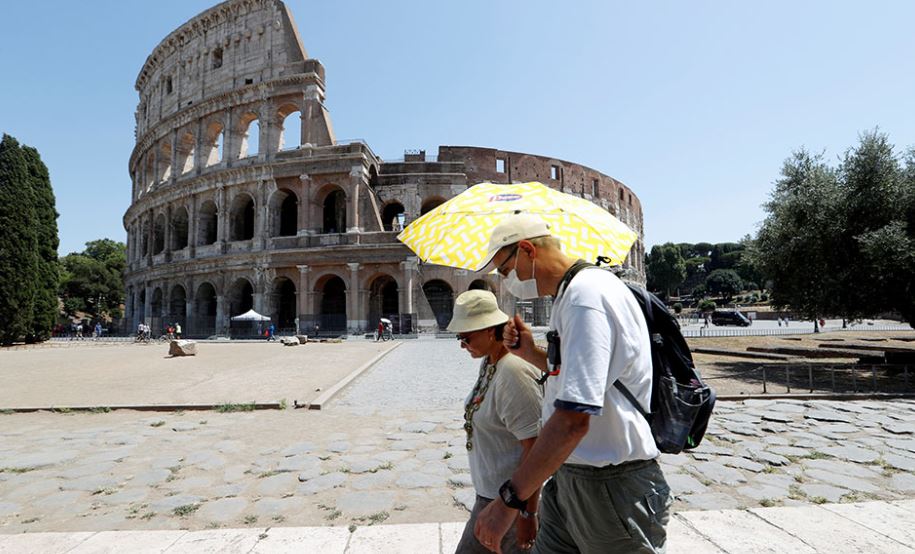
[(666, 268), (92, 281), (45, 309), (796, 242), (725, 282), (18, 244)]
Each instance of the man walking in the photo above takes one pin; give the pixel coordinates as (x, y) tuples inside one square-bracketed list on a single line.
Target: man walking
[(607, 492)]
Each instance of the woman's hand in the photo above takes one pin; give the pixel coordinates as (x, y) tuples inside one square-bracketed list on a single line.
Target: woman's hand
[(526, 531)]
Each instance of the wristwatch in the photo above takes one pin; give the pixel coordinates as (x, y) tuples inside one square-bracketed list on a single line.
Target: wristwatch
[(510, 497)]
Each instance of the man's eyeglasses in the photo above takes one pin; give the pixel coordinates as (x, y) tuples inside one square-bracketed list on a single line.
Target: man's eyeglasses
[(500, 269)]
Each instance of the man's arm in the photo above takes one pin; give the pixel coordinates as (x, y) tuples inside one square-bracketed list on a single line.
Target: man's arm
[(517, 337)]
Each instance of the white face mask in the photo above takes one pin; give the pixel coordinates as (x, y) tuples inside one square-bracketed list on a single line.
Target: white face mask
[(525, 290)]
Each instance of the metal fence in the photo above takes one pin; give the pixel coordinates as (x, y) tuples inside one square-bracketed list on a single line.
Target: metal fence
[(808, 378), (801, 329)]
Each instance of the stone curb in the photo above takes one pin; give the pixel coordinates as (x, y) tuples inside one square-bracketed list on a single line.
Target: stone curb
[(145, 407), (326, 396), (818, 396)]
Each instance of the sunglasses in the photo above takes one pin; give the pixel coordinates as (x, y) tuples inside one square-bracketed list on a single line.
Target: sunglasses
[(465, 338)]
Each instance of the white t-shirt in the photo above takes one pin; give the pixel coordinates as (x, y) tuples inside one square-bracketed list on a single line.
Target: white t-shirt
[(508, 414), (604, 338)]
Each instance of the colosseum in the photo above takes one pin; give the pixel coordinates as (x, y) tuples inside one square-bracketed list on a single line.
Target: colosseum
[(243, 198)]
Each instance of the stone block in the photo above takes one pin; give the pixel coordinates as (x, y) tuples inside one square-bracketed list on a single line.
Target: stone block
[(182, 348)]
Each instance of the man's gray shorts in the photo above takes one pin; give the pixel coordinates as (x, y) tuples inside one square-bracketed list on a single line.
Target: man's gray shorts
[(616, 509)]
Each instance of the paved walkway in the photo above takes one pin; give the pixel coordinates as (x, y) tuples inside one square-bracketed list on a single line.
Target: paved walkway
[(872, 527)]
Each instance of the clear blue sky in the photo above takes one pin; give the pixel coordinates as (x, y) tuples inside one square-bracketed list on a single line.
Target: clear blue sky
[(692, 104)]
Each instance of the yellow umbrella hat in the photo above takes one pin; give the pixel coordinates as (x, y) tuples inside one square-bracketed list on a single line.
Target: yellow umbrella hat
[(457, 232)]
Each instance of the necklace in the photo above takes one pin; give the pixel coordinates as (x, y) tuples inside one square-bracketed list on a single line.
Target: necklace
[(487, 371)]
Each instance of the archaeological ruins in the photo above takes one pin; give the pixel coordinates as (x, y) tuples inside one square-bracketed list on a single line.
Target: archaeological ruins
[(242, 197)]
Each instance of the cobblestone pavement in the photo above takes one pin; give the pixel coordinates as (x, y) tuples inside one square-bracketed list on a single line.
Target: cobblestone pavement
[(390, 448)]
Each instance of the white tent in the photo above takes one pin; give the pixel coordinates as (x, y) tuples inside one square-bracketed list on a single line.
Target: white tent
[(250, 315)]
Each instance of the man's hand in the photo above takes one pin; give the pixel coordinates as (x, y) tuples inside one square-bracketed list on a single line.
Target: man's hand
[(526, 531), (493, 522)]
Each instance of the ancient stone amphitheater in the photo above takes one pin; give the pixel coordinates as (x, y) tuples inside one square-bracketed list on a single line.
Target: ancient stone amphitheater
[(243, 198)]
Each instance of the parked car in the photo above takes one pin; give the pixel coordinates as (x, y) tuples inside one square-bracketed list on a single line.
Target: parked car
[(730, 317)]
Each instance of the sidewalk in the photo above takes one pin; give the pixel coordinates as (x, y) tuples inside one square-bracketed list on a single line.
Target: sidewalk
[(872, 527)]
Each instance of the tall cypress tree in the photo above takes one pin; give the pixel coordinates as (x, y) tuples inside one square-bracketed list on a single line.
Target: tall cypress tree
[(18, 244), (45, 309)]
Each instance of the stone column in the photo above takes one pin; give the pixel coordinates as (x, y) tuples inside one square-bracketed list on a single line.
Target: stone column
[(260, 225), (228, 139), (406, 291), (199, 159), (168, 233), (150, 237), (305, 295), (356, 176), (259, 288), (222, 323), (192, 231), (353, 319), (175, 169), (305, 207), (222, 223), (147, 306)]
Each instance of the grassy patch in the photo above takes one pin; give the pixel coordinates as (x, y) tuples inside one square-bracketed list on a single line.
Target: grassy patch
[(768, 502), (7, 412), (61, 410), (228, 408), (202, 422), (378, 517), (447, 455), (352, 527), (186, 510), (386, 465), (30, 520), (250, 520), (266, 474), (159, 423), (212, 525), (278, 519), (99, 410), (148, 515), (283, 404), (795, 493), (769, 469), (818, 500), (333, 514), (106, 492), (816, 455), (400, 507)]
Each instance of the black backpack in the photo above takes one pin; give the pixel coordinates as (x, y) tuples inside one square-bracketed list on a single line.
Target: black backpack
[(681, 404)]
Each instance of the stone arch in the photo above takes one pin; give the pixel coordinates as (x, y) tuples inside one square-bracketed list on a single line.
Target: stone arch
[(440, 296), (179, 228), (157, 303), (333, 209), (240, 297), (330, 298), (481, 284), (241, 217), (213, 145), (165, 161), (150, 171), (283, 303), (392, 216), (207, 223), (159, 234), (141, 304), (384, 298), (284, 213), (430, 204), (177, 306), (249, 130), (205, 310), (290, 118), (187, 146)]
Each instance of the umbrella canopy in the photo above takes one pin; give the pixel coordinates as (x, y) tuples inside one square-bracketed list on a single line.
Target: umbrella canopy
[(250, 315), (457, 232)]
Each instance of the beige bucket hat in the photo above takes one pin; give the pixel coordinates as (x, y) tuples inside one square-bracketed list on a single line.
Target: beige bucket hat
[(475, 310)]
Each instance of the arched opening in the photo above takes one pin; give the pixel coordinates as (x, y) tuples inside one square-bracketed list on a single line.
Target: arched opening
[(156, 305), (383, 300), (204, 311), (392, 216), (214, 141), (141, 305), (250, 140), (179, 228), (284, 210), (240, 297), (186, 152), (144, 239), (430, 204), (159, 234), (150, 170), (177, 306), (165, 161), (207, 223), (332, 312), (291, 129), (481, 284), (285, 308), (335, 212), (441, 299), (242, 218)]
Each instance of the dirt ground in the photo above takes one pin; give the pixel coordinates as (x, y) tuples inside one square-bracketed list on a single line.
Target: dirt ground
[(742, 376), (99, 374)]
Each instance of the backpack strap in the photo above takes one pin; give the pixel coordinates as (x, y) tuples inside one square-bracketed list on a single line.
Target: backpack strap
[(635, 403)]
